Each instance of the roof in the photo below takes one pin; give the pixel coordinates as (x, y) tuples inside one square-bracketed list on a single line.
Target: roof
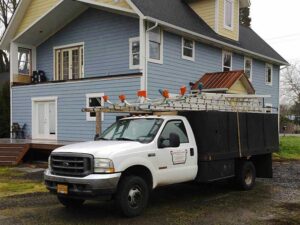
[(224, 80), (186, 18)]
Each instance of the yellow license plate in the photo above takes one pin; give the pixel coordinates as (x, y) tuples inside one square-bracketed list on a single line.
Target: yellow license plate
[(62, 189)]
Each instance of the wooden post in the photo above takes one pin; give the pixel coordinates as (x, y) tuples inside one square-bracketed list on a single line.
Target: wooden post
[(98, 123)]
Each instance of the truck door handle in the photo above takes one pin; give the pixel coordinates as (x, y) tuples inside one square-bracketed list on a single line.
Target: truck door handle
[(151, 155), (192, 152)]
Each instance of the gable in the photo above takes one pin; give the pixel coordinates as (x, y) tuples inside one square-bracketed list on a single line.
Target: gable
[(35, 10), (238, 88)]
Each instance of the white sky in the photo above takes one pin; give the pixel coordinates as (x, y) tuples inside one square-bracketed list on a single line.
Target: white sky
[(277, 22)]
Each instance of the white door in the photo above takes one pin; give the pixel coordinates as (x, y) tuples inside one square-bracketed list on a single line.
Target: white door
[(44, 120), (72, 65)]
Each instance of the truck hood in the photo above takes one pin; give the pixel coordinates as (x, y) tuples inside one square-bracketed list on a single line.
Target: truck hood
[(100, 149)]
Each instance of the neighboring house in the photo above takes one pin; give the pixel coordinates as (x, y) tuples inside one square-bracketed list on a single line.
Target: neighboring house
[(91, 48)]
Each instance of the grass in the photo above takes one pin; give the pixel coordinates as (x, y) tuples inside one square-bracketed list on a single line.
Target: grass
[(13, 183), (289, 148)]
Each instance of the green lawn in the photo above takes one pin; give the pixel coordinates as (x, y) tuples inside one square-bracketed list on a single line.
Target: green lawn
[(289, 148)]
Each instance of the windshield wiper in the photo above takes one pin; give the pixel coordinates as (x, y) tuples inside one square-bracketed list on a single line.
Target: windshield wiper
[(125, 139)]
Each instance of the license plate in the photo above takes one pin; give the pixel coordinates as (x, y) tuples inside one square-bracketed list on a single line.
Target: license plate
[(62, 189)]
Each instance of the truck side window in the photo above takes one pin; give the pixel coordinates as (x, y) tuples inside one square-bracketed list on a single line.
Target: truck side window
[(175, 126)]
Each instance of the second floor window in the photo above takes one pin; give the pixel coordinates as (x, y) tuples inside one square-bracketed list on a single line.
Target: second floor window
[(248, 68), (134, 55), (269, 74), (155, 44), (24, 61), (227, 61), (188, 49), (228, 13), (69, 63)]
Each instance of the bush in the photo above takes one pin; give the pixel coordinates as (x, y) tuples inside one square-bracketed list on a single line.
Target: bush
[(5, 111)]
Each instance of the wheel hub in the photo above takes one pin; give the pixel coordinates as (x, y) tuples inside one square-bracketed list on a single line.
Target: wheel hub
[(248, 178), (134, 197)]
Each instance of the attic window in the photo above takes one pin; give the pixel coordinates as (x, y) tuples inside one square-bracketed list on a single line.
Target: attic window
[(227, 61), (228, 14), (188, 49)]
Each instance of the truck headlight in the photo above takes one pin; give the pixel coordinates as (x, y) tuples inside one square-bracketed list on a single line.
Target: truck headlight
[(104, 166)]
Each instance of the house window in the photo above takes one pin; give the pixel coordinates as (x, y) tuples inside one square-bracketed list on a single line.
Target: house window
[(227, 61), (188, 49), (155, 36), (228, 14), (134, 51), (24, 61), (269, 74), (268, 108), (248, 68), (69, 62), (93, 100)]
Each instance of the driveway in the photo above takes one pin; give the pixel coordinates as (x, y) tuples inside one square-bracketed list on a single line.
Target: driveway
[(273, 202)]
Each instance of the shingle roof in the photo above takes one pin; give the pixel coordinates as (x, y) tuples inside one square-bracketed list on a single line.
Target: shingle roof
[(223, 80), (178, 13)]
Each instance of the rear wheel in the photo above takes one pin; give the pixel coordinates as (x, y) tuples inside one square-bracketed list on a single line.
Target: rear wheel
[(245, 175), (70, 202), (132, 196)]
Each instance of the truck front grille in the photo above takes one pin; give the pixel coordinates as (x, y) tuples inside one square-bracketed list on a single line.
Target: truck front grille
[(72, 165)]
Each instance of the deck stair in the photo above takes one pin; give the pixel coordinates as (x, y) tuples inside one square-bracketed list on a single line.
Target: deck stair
[(12, 154)]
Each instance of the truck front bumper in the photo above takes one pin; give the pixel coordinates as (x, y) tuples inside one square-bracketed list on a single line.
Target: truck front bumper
[(94, 185)]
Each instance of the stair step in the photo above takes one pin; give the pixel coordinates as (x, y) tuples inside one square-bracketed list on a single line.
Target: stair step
[(10, 153), (8, 163), (8, 158)]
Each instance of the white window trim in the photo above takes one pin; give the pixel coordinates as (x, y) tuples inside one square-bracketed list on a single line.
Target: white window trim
[(161, 60), (251, 73), (131, 66), (67, 46), (232, 18), (33, 116), (269, 65), (268, 105), (182, 50), (223, 54), (93, 95)]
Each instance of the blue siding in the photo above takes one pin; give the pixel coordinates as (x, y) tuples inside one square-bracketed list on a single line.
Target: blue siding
[(175, 71), (106, 43), (72, 124)]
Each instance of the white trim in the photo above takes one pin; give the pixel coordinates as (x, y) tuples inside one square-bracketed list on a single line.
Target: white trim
[(267, 107), (217, 16), (93, 95), (223, 54), (215, 41), (143, 58), (161, 60), (232, 15), (183, 47), (135, 9), (33, 116), (266, 67), (251, 71), (105, 5), (131, 66), (68, 45)]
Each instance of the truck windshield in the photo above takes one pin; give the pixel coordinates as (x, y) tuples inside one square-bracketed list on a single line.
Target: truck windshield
[(141, 130)]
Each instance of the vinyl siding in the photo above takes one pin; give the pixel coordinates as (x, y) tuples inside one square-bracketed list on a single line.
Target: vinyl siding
[(36, 10), (106, 43), (72, 124), (206, 10)]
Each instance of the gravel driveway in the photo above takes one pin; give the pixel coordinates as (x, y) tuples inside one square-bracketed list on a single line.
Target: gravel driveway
[(275, 201)]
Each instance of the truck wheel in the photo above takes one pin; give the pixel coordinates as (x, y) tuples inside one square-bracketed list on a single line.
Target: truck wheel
[(132, 196), (246, 175), (70, 202)]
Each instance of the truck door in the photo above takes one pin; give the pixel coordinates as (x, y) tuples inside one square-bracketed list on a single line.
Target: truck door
[(175, 164)]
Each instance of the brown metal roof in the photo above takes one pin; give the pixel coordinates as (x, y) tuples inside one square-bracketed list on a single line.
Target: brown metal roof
[(222, 80)]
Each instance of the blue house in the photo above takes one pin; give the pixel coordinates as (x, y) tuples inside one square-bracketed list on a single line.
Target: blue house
[(91, 48)]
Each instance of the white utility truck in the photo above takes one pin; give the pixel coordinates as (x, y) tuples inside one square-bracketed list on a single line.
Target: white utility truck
[(198, 137)]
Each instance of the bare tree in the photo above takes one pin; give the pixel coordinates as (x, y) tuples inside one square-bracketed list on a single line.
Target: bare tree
[(290, 82)]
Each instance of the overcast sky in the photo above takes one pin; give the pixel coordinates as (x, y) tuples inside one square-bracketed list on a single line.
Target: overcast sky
[(277, 22)]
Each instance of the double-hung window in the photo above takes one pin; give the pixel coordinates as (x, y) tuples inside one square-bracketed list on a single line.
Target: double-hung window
[(248, 68), (269, 74), (227, 61), (155, 36), (24, 61), (134, 53), (93, 100), (69, 62), (228, 14), (188, 49)]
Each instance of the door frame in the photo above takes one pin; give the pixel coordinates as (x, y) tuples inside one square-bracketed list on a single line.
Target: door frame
[(34, 116)]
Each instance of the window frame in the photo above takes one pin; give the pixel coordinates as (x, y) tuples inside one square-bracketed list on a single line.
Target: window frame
[(160, 61), (232, 15), (88, 97), (68, 47), (183, 47), (131, 40), (30, 62), (266, 74), (251, 69), (223, 57), (270, 106)]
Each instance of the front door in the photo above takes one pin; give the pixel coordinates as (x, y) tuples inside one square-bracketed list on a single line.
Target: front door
[(44, 120)]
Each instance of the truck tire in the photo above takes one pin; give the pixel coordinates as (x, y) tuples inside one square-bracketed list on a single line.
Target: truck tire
[(70, 202), (245, 175), (132, 196)]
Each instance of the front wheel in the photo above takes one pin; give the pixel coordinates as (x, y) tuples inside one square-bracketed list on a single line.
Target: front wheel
[(70, 202), (245, 175), (132, 196)]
